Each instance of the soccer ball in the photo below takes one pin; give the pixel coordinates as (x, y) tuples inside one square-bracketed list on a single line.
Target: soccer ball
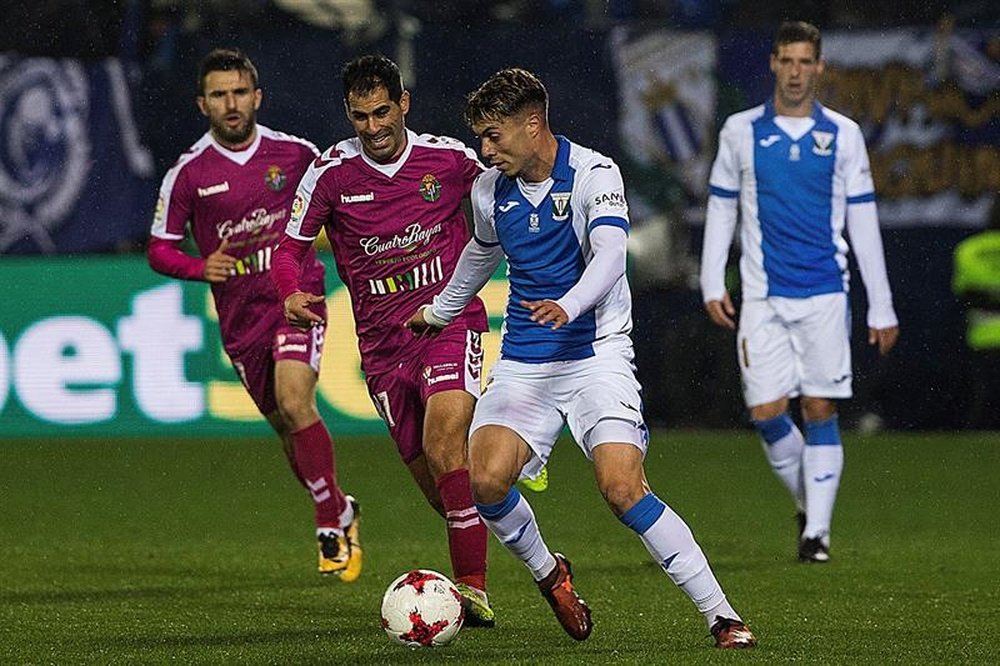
[(422, 608)]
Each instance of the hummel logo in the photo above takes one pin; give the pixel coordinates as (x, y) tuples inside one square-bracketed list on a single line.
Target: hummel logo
[(507, 206), (825, 477), (600, 166), (213, 189), (357, 198), (769, 141)]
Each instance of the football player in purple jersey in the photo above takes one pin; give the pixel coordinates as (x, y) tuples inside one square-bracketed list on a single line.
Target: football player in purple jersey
[(391, 203), (232, 191)]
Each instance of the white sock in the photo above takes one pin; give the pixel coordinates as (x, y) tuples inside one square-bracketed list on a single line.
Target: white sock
[(669, 540), (822, 466), (783, 444), (513, 522)]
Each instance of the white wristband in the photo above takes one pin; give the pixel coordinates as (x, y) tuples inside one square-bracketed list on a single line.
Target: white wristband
[(431, 318)]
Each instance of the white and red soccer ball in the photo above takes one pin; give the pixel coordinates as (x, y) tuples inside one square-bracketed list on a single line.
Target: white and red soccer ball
[(422, 608)]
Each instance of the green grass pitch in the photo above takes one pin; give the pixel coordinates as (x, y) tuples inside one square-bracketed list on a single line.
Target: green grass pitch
[(152, 551)]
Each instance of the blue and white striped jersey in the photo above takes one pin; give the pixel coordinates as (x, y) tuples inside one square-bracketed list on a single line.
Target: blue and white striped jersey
[(543, 228), (794, 178)]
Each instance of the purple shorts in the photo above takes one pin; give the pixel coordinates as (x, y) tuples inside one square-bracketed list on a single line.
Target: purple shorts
[(451, 361), (256, 365)]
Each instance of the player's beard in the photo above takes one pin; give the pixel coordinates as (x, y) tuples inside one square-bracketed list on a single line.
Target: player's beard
[(234, 136)]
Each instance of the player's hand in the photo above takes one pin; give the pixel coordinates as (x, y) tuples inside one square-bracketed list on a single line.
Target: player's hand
[(219, 265), (885, 338), (722, 313), (547, 312), (419, 326), (297, 310)]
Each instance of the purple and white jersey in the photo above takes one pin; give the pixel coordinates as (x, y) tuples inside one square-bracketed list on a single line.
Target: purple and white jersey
[(397, 231), (244, 197)]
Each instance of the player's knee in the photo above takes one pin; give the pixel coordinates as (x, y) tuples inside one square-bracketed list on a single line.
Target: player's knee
[(297, 411), (818, 409), (489, 483), (769, 410), (445, 451), (622, 493)]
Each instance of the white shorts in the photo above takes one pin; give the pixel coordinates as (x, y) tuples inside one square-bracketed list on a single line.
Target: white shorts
[(788, 347), (536, 400)]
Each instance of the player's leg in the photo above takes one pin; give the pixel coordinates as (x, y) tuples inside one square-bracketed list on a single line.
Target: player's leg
[(421, 473), (620, 477), (767, 367), (822, 467), (446, 427), (297, 357), (448, 374), (822, 335), (497, 456), (518, 409)]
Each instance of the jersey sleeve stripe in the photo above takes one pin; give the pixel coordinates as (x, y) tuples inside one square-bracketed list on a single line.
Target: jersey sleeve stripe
[(861, 198), (722, 192), (484, 243), (609, 221)]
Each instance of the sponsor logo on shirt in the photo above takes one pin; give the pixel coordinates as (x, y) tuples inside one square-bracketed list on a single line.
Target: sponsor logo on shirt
[(421, 275), (258, 262), (769, 141), (430, 188), (611, 200), (560, 205), (275, 178), (213, 189), (507, 206), (413, 236), (357, 198), (253, 223), (823, 143)]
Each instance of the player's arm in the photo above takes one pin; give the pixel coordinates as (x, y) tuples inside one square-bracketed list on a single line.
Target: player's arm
[(310, 209), (164, 253), (720, 226), (866, 242), (607, 266), (476, 265), (474, 269), (602, 199)]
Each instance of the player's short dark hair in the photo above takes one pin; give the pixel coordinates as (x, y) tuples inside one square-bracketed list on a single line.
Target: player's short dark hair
[(365, 74), (225, 60), (505, 94), (790, 32)]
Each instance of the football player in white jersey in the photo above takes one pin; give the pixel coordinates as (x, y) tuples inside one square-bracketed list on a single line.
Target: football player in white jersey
[(557, 211), (798, 172)]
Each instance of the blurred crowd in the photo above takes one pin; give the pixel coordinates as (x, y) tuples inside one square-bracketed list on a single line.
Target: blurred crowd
[(148, 28)]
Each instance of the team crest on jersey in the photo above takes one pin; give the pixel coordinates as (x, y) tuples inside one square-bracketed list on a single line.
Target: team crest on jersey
[(823, 143), (560, 206), (275, 178), (430, 188), (794, 152), (534, 224)]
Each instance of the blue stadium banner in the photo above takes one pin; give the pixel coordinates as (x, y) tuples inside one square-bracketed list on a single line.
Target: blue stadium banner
[(74, 176)]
